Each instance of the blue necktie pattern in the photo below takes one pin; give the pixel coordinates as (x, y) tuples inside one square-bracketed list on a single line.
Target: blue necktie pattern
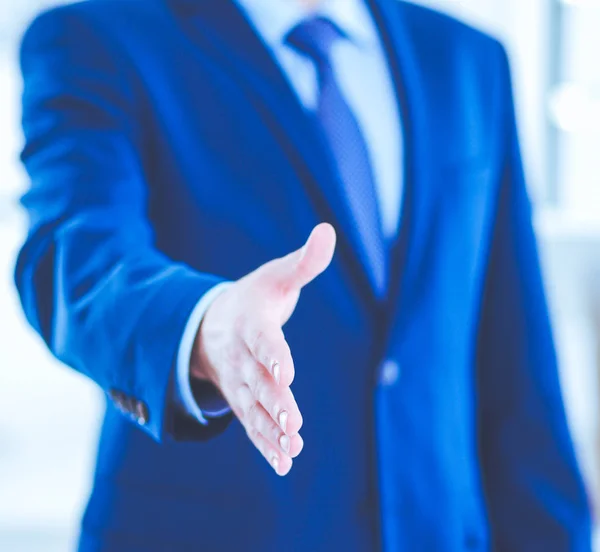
[(314, 39)]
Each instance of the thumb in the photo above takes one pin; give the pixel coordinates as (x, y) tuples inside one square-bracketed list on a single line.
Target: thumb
[(301, 267)]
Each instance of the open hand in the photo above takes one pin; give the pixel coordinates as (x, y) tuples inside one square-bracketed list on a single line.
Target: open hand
[(241, 348)]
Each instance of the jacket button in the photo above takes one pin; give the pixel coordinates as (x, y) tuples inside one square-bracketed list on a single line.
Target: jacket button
[(115, 395), (141, 413), (390, 373), (118, 398), (129, 404)]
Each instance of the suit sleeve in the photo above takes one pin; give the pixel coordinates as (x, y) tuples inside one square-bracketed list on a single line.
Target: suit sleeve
[(91, 282), (535, 494)]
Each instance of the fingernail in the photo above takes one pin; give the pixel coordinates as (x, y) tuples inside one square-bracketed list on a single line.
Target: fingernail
[(284, 441), (283, 417), (275, 462), (276, 372)]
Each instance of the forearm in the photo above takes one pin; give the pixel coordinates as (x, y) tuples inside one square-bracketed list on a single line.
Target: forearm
[(114, 312)]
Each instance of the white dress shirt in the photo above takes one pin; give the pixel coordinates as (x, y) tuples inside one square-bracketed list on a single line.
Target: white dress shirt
[(362, 70)]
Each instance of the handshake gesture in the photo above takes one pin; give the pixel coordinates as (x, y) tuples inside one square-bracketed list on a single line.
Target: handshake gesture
[(241, 349)]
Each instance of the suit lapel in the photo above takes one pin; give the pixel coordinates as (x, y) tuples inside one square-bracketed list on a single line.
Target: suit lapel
[(220, 27), (410, 91)]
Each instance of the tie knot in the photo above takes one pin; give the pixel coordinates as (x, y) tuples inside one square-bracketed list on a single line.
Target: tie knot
[(314, 38)]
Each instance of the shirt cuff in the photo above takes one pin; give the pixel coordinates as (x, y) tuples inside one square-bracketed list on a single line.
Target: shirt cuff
[(211, 406)]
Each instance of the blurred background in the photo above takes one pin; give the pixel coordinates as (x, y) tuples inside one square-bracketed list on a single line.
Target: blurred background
[(49, 416)]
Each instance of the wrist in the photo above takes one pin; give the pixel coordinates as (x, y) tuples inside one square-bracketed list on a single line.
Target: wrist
[(201, 367), (199, 363)]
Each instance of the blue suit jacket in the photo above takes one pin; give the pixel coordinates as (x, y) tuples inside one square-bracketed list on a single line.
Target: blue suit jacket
[(164, 147)]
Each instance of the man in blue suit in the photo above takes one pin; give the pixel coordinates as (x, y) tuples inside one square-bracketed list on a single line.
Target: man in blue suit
[(178, 151)]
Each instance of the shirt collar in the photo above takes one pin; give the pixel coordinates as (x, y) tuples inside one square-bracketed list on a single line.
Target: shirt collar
[(274, 19)]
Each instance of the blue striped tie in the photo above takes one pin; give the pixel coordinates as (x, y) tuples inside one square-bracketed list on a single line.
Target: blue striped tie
[(314, 38)]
